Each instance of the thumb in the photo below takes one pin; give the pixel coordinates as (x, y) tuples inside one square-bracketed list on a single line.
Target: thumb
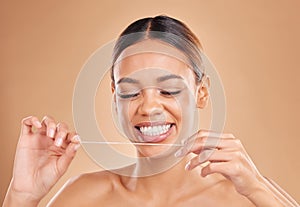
[(65, 160)]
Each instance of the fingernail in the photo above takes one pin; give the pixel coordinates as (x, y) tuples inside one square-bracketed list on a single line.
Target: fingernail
[(187, 166), (58, 142), (51, 133), (76, 138), (76, 147), (184, 141), (179, 152), (39, 125)]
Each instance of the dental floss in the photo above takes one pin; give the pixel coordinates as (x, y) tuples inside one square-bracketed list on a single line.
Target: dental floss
[(134, 143), (183, 142)]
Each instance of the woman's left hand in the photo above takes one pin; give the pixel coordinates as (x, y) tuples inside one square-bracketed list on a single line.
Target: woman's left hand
[(226, 155)]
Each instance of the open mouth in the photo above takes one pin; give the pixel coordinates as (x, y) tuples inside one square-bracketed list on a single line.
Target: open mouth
[(154, 132)]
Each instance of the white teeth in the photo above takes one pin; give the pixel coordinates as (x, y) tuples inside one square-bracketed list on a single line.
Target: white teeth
[(155, 130)]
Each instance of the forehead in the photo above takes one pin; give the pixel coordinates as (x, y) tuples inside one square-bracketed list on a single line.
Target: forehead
[(149, 61), (151, 54)]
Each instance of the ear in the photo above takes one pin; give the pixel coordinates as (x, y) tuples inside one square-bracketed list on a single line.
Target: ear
[(113, 89), (203, 92), (112, 85)]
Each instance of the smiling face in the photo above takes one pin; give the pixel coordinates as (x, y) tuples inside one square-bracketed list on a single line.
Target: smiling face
[(155, 96)]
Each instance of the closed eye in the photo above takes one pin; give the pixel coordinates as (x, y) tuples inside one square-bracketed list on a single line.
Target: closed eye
[(126, 96), (170, 93)]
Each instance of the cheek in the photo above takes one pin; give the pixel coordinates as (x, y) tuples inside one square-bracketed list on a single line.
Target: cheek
[(189, 115), (186, 102), (175, 107), (182, 108), (122, 111), (126, 111), (124, 114)]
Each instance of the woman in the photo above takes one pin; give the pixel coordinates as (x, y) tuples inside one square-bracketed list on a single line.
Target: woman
[(157, 83)]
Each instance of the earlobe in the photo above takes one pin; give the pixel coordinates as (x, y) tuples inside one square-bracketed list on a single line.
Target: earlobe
[(114, 94), (112, 84)]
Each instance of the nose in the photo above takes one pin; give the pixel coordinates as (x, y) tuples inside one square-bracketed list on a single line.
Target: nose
[(151, 104)]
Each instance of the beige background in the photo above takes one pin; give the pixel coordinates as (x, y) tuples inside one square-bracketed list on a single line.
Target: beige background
[(254, 45)]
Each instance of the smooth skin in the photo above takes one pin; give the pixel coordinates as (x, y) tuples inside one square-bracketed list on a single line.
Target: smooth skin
[(229, 178), (42, 156)]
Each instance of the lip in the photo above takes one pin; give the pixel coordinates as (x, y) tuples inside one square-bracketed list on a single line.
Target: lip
[(154, 139), (143, 124)]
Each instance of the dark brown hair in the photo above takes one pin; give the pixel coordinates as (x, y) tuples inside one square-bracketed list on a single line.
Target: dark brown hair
[(165, 29)]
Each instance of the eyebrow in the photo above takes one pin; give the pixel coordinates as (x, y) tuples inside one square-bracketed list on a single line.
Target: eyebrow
[(159, 79), (127, 80), (167, 77)]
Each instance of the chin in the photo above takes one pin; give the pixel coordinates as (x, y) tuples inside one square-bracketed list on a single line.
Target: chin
[(155, 151)]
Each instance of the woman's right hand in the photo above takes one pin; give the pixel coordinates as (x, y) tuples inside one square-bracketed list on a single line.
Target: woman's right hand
[(43, 155)]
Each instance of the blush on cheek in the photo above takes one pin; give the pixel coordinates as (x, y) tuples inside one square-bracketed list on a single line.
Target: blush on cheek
[(189, 115), (124, 117)]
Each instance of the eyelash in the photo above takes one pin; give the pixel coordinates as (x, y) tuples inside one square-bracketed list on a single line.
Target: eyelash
[(165, 93), (126, 96), (169, 93)]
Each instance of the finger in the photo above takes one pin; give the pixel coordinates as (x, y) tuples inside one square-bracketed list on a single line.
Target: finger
[(61, 134), (66, 158), (200, 144), (27, 124), (208, 133), (208, 142), (217, 167), (212, 156), (196, 140), (74, 138), (50, 125), (196, 161), (196, 147)]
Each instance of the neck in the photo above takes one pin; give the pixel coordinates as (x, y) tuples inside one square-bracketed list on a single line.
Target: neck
[(161, 175)]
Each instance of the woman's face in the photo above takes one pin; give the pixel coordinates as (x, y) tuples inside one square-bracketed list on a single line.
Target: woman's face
[(155, 99)]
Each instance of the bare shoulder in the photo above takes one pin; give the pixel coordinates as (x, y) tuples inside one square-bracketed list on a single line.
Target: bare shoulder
[(85, 188)]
